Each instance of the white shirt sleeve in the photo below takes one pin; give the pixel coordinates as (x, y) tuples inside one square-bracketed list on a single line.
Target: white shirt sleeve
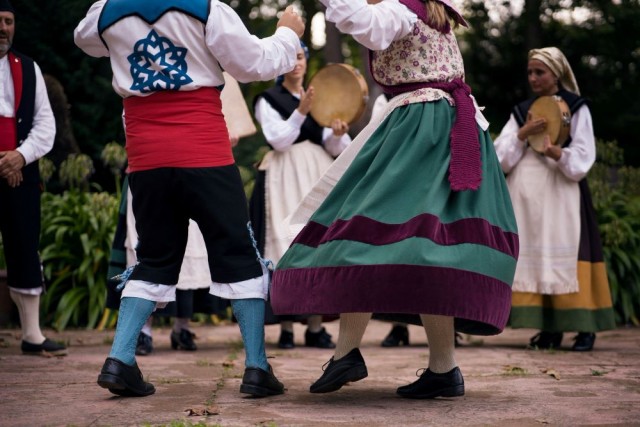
[(508, 147), (86, 35), (373, 26), (280, 133), (43, 131), (246, 57), (333, 144), (580, 155)]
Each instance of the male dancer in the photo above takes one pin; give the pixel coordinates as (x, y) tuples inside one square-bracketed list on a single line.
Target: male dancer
[(167, 58)]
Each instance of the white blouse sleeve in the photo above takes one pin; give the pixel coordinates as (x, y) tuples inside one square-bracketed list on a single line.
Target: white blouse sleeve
[(334, 145), (279, 133), (508, 147), (86, 34), (373, 26), (580, 155)]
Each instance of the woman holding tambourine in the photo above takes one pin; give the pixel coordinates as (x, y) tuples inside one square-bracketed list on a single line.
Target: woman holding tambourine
[(546, 149), (301, 151)]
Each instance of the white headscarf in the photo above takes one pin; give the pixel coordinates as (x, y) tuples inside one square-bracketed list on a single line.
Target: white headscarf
[(553, 58)]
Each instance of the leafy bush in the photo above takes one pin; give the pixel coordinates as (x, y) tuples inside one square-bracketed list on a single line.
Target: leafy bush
[(616, 197)]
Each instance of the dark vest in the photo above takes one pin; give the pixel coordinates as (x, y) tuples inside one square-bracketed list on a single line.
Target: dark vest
[(24, 113), (285, 104), (573, 102)]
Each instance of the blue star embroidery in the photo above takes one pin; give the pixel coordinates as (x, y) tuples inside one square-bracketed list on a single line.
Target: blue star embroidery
[(158, 64)]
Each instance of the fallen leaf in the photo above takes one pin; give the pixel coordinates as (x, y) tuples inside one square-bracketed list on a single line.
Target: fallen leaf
[(228, 364), (514, 370), (551, 372), (201, 412)]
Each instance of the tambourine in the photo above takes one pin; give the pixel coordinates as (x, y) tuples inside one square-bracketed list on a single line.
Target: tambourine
[(558, 116), (341, 92)]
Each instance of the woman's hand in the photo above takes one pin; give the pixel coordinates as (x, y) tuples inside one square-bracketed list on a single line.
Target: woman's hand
[(550, 150), (306, 98), (339, 127), (531, 127)]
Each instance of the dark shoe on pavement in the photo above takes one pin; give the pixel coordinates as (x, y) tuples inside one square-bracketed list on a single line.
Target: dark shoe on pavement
[(145, 345), (183, 340), (47, 348), (260, 383), (286, 340), (546, 340), (398, 336), (320, 339), (431, 385), (124, 380), (339, 372), (584, 341)]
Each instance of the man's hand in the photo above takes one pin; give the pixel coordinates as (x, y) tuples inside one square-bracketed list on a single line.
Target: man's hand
[(14, 179), (306, 99), (339, 127), (10, 162), (291, 20)]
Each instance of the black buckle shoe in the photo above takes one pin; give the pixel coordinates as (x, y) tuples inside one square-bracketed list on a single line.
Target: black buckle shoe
[(584, 341), (320, 339), (47, 348), (145, 345), (260, 383), (183, 340), (546, 340), (339, 372), (431, 385), (124, 380), (398, 336), (286, 340)]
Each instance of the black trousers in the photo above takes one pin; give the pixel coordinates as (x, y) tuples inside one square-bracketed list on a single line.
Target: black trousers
[(20, 228), (164, 200)]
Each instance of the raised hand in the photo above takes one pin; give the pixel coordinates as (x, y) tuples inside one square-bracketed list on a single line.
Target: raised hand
[(291, 20)]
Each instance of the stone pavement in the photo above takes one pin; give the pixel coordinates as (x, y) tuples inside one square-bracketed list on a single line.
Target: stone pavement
[(506, 385)]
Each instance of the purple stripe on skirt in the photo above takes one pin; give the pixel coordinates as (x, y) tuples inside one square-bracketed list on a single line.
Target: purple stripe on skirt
[(367, 230), (482, 300)]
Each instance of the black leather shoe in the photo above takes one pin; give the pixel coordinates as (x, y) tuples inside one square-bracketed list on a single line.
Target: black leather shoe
[(398, 336), (124, 380), (431, 385), (339, 372), (145, 345), (183, 340), (546, 340), (286, 340), (584, 341), (47, 348), (260, 383), (320, 339)]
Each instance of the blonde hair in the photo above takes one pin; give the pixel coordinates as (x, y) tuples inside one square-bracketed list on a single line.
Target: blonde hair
[(438, 15)]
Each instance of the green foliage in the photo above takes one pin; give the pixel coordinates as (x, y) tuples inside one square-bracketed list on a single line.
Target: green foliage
[(616, 198), (77, 232)]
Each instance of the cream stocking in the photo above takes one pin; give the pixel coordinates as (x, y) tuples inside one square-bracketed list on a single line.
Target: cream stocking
[(29, 310), (352, 327), (441, 337)]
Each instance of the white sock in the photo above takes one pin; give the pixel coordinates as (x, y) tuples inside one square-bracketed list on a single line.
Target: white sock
[(441, 337), (29, 310), (352, 327), (180, 323), (314, 323), (146, 328), (286, 325)]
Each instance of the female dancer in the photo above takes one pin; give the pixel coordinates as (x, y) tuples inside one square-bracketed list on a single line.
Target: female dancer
[(415, 215)]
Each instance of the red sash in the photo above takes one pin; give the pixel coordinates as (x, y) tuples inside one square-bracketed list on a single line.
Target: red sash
[(8, 138), (184, 129), (8, 131)]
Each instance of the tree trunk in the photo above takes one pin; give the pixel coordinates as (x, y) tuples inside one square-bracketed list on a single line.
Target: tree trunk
[(533, 33)]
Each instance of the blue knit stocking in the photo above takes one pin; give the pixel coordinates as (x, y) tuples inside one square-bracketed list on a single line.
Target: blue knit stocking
[(134, 312), (250, 315)]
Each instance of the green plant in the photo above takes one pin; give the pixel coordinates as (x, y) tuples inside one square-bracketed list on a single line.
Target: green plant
[(114, 156), (616, 196), (77, 232)]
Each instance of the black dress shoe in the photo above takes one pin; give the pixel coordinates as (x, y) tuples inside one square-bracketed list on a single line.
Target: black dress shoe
[(124, 380), (339, 372), (260, 383), (584, 341), (47, 348), (320, 339), (546, 340), (431, 385), (398, 336), (286, 340), (144, 346), (183, 340)]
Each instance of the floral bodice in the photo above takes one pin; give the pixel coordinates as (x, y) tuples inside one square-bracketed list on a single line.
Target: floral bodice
[(424, 55)]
